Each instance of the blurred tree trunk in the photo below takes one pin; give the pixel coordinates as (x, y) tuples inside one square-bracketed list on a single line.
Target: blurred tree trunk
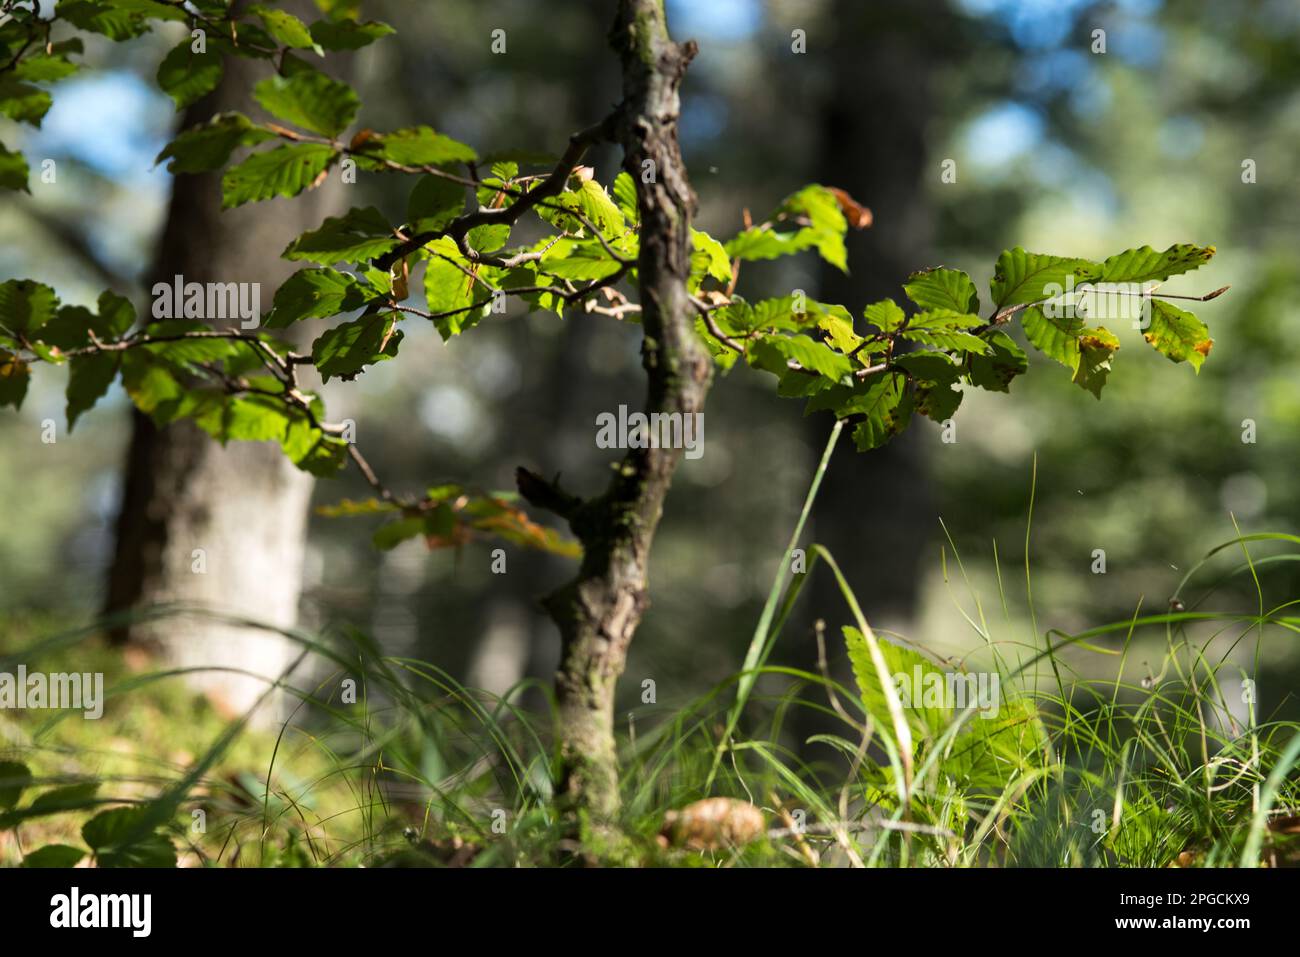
[(200, 524), (875, 508)]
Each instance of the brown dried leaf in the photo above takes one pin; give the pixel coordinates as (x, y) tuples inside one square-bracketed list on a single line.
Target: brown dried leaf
[(714, 823), (361, 139), (859, 216)]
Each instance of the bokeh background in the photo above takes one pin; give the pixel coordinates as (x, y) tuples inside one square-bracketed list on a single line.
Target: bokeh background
[(1057, 146)]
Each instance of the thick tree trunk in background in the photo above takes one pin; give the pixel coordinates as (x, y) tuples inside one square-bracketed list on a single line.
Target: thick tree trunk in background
[(599, 611), (187, 501), (873, 509)]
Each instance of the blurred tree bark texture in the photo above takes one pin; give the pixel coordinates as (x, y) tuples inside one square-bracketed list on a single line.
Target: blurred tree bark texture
[(545, 88), (206, 525), (874, 510)]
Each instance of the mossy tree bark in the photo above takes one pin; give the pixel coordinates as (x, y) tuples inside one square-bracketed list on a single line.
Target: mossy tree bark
[(598, 612)]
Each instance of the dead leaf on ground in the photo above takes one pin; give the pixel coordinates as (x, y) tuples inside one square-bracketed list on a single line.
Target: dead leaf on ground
[(713, 823)]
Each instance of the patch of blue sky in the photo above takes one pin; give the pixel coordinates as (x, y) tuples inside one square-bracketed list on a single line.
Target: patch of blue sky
[(1032, 23), (1053, 71), (113, 122), (726, 21), (1002, 134), (1141, 44)]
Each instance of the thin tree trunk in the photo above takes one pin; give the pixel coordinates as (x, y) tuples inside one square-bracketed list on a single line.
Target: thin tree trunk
[(599, 611), (201, 524)]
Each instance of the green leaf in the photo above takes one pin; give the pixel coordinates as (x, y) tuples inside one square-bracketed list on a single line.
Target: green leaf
[(247, 418), (339, 10), (588, 198), (1055, 336), (392, 534), (1144, 264), (1178, 334), (934, 374), (775, 352), (26, 305), (14, 377), (887, 408), (311, 449), (106, 832), (150, 10), (23, 102), (185, 352), (44, 69), (283, 171), (285, 28), (310, 100), (347, 349), (116, 315), (945, 329), (315, 294), (13, 170), (915, 678), (448, 290), (709, 258), (839, 331), (1096, 349), (1004, 361), (1022, 277), (604, 213), (527, 277), (54, 855), (72, 45), (577, 259), (187, 76), (434, 202), (812, 219), (357, 236), (72, 797), (150, 384), (929, 366), (349, 508), (885, 315), (115, 21), (208, 146), (348, 34), (937, 401), (759, 243), (416, 146), (88, 380), (625, 197), (939, 288), (992, 751), (14, 779), (826, 223), (72, 325), (489, 237)]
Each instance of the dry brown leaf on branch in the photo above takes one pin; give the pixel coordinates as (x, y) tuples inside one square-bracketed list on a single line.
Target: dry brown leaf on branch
[(859, 216)]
